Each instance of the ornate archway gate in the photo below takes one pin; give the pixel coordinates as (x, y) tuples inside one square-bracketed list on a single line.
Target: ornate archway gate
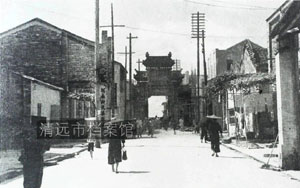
[(158, 80)]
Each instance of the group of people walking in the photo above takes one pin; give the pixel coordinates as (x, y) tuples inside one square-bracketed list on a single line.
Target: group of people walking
[(147, 125), (210, 131)]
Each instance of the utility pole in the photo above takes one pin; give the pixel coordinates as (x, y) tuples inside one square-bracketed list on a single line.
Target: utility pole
[(139, 64), (197, 24), (130, 74), (112, 105), (125, 53), (204, 61), (270, 50), (96, 61), (96, 55)]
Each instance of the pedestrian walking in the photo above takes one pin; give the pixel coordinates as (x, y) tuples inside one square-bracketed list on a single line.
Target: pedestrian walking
[(181, 124), (32, 158), (151, 128), (204, 129), (166, 122), (91, 143), (139, 124), (146, 124), (214, 131), (196, 127), (172, 124), (115, 145)]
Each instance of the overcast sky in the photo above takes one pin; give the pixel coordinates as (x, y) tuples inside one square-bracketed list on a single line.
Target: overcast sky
[(161, 26)]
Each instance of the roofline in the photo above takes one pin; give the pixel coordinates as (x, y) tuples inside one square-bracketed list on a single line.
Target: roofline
[(39, 81), (38, 21), (118, 63), (279, 9), (246, 40)]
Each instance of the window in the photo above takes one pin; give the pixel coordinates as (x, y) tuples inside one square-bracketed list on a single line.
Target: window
[(39, 109), (79, 109), (229, 64)]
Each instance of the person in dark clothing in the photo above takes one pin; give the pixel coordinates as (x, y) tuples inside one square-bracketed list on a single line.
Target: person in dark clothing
[(172, 124), (115, 152), (115, 145), (204, 127), (215, 130), (32, 159)]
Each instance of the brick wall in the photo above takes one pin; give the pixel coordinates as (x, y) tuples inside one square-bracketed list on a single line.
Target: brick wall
[(34, 51), (54, 56), (15, 101)]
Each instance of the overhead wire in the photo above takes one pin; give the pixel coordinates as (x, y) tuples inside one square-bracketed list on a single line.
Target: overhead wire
[(230, 5), (139, 28)]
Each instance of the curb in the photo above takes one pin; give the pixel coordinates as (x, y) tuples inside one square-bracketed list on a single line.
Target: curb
[(49, 162), (272, 167)]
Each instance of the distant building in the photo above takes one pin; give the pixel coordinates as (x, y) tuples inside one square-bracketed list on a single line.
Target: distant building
[(119, 96), (186, 78), (229, 60), (255, 112), (160, 80)]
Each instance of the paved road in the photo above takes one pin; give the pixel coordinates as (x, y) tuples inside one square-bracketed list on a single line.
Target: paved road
[(167, 161)]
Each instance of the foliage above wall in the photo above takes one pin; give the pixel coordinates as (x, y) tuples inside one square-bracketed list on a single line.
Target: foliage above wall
[(238, 81), (81, 96)]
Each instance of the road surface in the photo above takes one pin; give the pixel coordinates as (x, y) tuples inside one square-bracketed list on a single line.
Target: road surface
[(167, 161)]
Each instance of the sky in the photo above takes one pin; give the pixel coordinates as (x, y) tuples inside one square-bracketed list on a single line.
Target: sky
[(155, 107), (162, 26)]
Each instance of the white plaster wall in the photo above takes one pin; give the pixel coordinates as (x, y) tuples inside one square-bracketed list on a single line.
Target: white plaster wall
[(45, 96)]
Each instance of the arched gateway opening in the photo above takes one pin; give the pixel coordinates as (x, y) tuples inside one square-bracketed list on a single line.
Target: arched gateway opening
[(160, 80), (156, 106)]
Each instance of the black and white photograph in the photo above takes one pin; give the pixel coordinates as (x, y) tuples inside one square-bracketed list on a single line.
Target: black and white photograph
[(149, 93)]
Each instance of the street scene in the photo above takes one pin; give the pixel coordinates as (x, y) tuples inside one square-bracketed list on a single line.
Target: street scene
[(149, 93), (166, 161)]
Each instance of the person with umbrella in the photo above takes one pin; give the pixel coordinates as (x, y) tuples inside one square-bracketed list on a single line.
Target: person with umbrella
[(215, 130)]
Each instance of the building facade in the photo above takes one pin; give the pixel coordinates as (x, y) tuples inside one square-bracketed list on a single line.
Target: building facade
[(59, 57), (24, 99)]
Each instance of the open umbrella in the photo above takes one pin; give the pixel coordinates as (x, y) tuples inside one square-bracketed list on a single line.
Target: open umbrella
[(213, 117)]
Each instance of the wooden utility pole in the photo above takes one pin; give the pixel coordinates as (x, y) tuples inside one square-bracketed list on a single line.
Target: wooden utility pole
[(205, 72), (130, 74), (125, 53), (96, 56), (197, 22), (270, 50), (96, 61), (204, 61), (112, 105), (139, 64)]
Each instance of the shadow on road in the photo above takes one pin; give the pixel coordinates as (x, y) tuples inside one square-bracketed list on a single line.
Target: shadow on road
[(134, 172)]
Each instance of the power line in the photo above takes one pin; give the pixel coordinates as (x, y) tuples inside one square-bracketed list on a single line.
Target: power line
[(138, 28), (185, 34), (26, 3), (230, 6), (251, 6)]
